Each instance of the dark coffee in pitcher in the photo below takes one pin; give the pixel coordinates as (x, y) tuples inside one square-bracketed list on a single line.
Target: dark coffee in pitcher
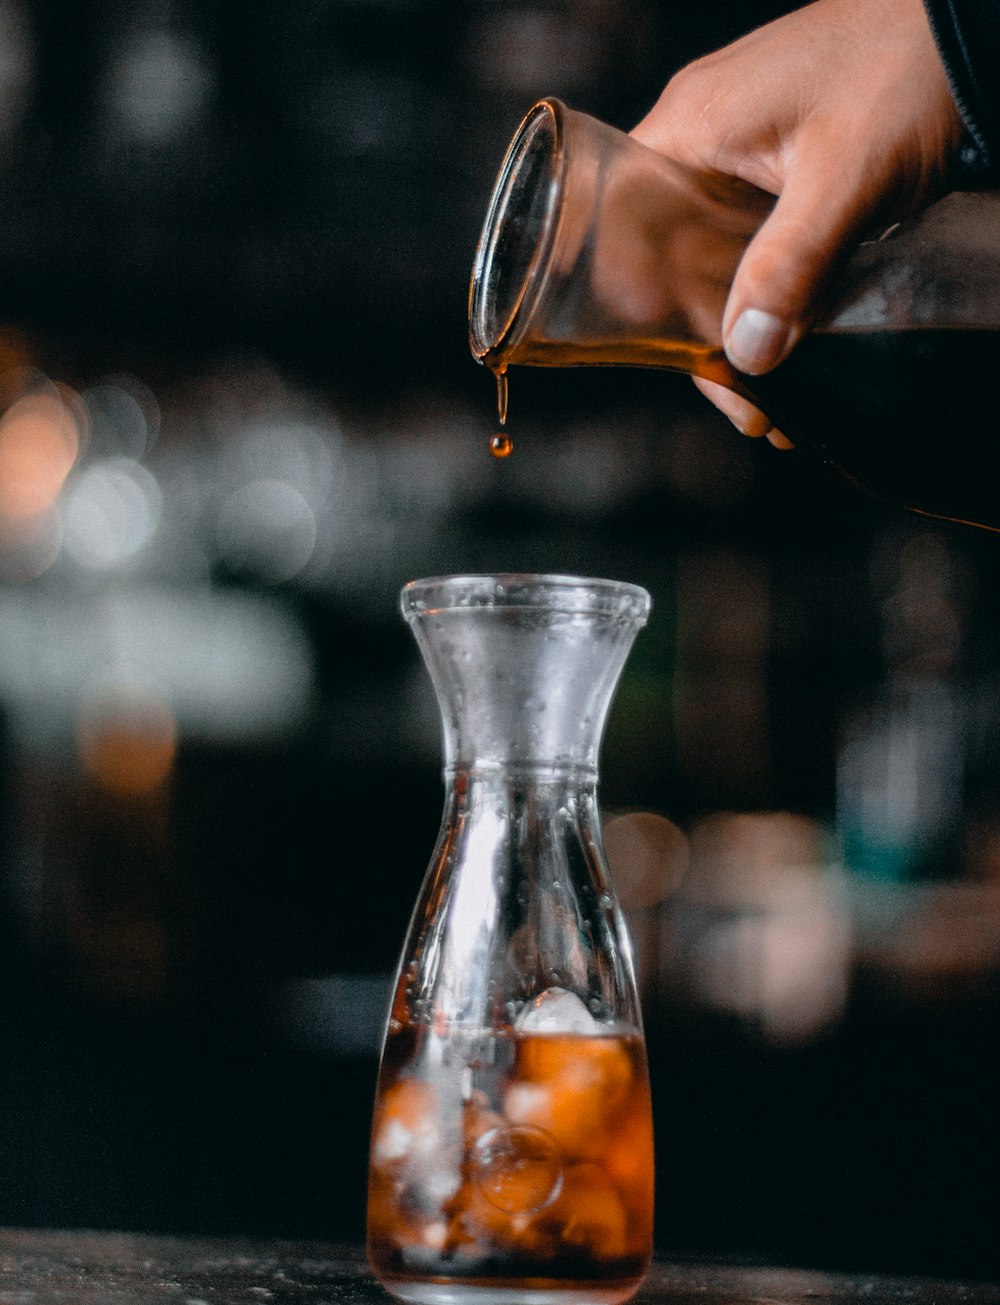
[(911, 416)]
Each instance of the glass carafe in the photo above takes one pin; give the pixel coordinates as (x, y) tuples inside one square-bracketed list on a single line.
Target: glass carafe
[(598, 250), (511, 1152)]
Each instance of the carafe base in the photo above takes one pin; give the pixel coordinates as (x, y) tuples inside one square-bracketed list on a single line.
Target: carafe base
[(510, 1292)]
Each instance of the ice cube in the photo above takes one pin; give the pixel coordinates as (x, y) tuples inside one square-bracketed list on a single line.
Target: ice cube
[(556, 1011)]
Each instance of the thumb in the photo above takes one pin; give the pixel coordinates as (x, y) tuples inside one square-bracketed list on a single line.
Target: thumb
[(787, 267)]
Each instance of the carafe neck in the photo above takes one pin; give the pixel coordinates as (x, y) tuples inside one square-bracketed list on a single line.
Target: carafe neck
[(524, 668)]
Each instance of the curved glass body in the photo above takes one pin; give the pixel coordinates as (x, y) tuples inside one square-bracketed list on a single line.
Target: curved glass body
[(512, 1152), (599, 251)]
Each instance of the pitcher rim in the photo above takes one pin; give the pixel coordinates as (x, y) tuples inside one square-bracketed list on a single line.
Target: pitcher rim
[(552, 107)]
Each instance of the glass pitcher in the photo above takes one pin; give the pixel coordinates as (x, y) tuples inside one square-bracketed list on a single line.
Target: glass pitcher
[(511, 1152), (597, 250)]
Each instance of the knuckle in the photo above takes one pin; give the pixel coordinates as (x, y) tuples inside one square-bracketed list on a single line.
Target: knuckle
[(690, 93)]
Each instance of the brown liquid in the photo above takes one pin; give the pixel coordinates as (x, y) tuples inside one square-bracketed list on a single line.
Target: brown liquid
[(501, 378), (501, 445), (652, 351), (531, 1170), (908, 415)]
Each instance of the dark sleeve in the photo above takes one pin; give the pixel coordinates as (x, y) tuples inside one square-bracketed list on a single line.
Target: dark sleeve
[(968, 37)]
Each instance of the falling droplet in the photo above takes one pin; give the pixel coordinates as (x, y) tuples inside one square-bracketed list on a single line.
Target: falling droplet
[(501, 445)]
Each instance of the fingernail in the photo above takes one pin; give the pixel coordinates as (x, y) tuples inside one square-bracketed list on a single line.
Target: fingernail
[(757, 341)]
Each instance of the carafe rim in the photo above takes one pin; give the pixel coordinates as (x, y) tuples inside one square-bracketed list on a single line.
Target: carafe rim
[(546, 591)]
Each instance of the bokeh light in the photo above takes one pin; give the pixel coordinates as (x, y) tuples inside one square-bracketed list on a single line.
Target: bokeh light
[(648, 856), (41, 431), (268, 529), (761, 931), (124, 417), (159, 85), (112, 511), (127, 741), (16, 69), (39, 442)]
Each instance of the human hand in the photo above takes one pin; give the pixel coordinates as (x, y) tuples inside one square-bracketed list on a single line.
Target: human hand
[(842, 110)]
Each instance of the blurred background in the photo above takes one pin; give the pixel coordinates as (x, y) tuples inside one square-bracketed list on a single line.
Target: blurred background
[(238, 412)]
